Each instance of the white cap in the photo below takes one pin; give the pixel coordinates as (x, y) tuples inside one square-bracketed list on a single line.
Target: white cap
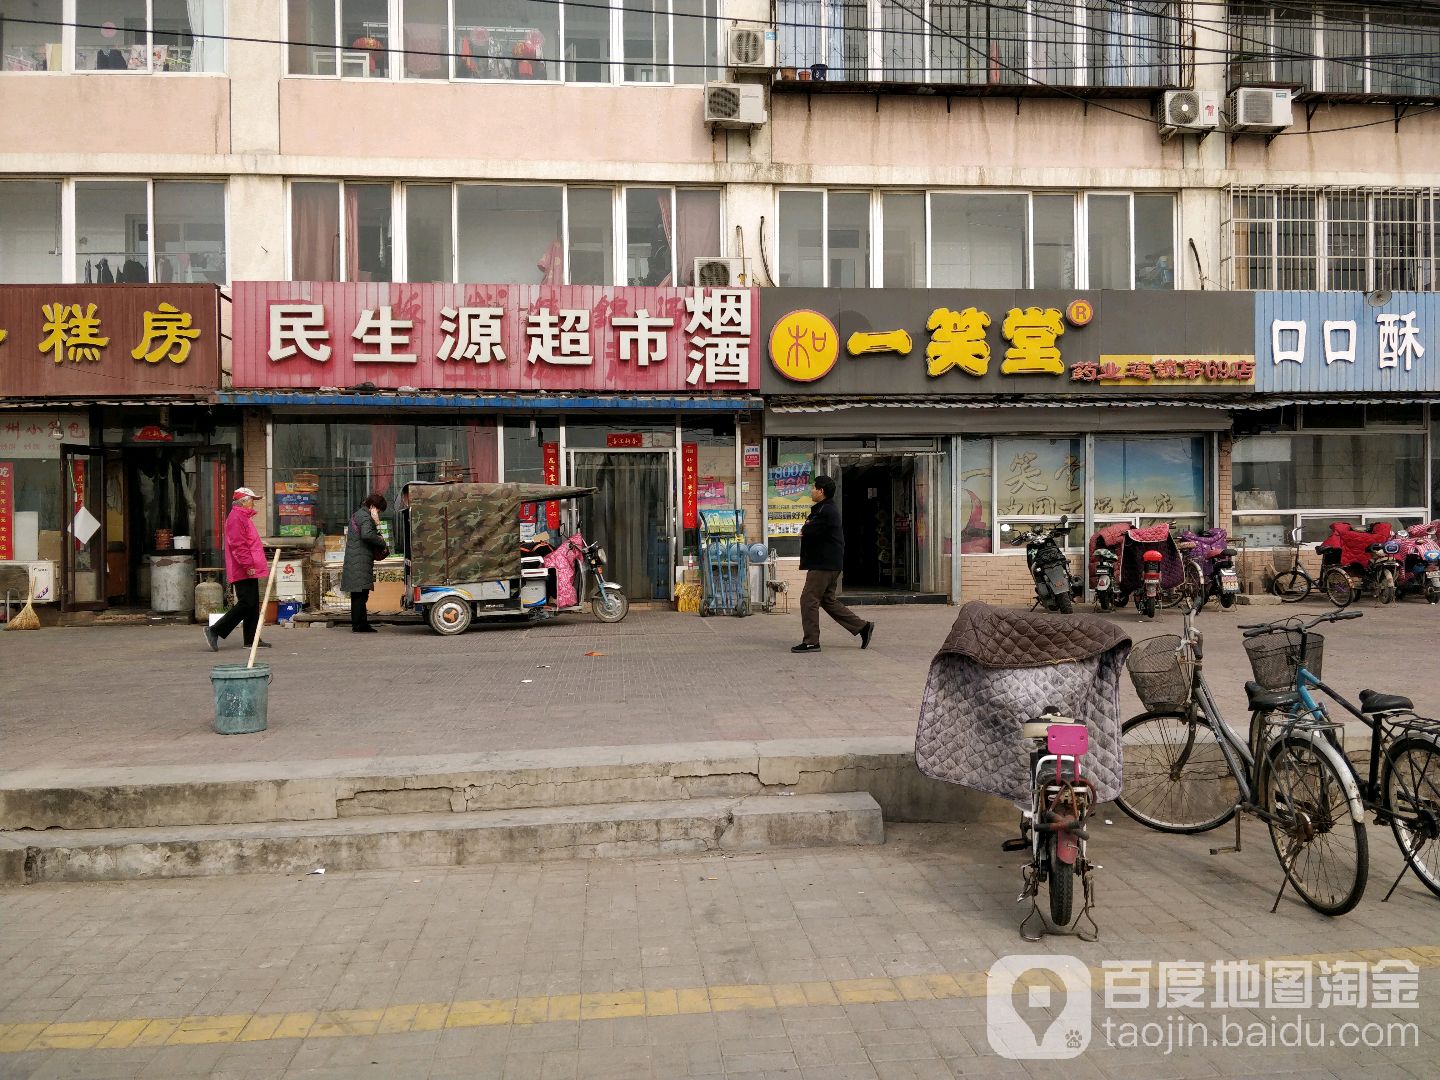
[(245, 493)]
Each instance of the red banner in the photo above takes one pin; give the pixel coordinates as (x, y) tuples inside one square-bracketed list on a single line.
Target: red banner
[(552, 476), (690, 486), (7, 510), (77, 471)]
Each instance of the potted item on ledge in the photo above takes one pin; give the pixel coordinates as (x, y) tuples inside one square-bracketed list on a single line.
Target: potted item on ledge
[(787, 74), (803, 74), (819, 71)]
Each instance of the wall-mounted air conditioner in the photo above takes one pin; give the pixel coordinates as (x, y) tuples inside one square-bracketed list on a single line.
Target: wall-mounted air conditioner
[(735, 105), (1190, 110), (719, 273), (1256, 108), (751, 47)]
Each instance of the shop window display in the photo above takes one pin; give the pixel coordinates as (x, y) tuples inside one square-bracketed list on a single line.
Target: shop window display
[(715, 476), (977, 495), (790, 469), (1150, 478)]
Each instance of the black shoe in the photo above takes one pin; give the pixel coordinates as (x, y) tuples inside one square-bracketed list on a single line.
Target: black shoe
[(363, 630), (213, 639), (262, 645), (802, 647), (865, 632)]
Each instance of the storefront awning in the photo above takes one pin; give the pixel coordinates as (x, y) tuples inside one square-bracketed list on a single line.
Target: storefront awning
[(709, 403)]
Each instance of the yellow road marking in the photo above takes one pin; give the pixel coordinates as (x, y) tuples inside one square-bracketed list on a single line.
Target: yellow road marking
[(497, 1012)]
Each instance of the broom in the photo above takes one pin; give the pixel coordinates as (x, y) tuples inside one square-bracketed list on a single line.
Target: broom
[(27, 619)]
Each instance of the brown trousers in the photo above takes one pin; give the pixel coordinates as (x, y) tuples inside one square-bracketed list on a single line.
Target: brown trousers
[(820, 589)]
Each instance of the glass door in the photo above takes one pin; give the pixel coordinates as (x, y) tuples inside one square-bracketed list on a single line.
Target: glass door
[(82, 512), (632, 515)]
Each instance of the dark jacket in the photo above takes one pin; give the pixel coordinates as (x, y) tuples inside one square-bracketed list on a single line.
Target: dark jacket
[(363, 545), (822, 539)]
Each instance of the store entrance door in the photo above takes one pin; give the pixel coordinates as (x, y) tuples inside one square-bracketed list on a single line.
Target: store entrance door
[(82, 532), (888, 526), (632, 516)]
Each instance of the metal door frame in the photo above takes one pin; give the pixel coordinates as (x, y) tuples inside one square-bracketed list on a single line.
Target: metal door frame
[(94, 454), (828, 467), (672, 508)]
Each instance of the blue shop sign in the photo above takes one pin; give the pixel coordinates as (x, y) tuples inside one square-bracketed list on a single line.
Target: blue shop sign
[(1350, 342)]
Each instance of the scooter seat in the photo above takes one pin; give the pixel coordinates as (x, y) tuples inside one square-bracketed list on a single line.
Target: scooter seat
[(1372, 701), (1262, 700)]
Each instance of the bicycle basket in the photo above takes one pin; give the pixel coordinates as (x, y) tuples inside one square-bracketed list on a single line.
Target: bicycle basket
[(1161, 679), (1274, 658)]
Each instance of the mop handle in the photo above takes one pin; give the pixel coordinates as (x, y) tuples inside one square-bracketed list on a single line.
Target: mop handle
[(260, 625)]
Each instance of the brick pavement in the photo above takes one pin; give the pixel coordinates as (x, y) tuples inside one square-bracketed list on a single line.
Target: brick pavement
[(117, 696), (852, 964)]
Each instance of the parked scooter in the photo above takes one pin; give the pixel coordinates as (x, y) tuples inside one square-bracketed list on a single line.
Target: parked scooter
[(1209, 567), (1360, 563), (1105, 578), (1055, 587), (1419, 555), (1149, 561)]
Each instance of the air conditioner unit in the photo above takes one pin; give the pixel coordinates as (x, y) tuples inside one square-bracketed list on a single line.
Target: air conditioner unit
[(735, 105), (751, 47), (1190, 110), (1256, 108), (718, 272)]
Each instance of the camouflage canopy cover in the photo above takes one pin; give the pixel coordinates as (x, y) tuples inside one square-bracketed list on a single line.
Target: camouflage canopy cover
[(471, 532)]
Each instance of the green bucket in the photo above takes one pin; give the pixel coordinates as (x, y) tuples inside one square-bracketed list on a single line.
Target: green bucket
[(242, 697)]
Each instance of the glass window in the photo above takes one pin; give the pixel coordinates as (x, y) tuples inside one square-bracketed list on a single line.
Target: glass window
[(697, 31), (32, 46), (1043, 477), (428, 248), (978, 241), (847, 235), (657, 434), (1108, 218), (364, 39), (315, 231), (1150, 476), (802, 238), (587, 44), (1333, 472), (30, 232), (698, 232), (977, 495), (190, 232), (426, 35), (649, 253), (311, 29), (511, 234), (507, 39), (645, 27), (592, 230), (716, 487), (904, 241), (188, 35), (367, 232), (525, 449), (119, 35), (790, 469), (1154, 241), (1054, 241), (111, 35), (112, 231)]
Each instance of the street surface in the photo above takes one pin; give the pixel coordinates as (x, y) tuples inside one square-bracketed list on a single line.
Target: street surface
[(118, 696)]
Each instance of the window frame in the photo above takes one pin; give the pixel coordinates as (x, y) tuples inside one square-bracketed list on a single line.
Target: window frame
[(69, 43)]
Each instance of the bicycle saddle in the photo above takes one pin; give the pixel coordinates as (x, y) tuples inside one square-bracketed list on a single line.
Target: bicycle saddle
[(1372, 701), (1261, 699)]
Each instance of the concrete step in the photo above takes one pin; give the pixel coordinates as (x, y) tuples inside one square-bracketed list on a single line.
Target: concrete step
[(163, 796), (753, 823)]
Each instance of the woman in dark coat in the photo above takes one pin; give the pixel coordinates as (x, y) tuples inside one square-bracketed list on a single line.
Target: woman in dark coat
[(364, 546)]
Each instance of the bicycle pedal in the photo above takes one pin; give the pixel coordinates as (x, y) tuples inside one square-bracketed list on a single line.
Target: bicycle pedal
[(1017, 843)]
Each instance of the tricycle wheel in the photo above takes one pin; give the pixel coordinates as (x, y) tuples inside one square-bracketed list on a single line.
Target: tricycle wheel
[(610, 606), (451, 616)]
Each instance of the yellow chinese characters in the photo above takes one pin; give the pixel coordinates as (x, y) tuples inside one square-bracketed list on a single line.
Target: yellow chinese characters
[(167, 335), (72, 334), (804, 346), (3, 335), (1032, 333), (957, 340)]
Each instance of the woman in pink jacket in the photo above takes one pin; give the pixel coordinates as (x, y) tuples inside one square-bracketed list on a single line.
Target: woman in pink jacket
[(244, 567)]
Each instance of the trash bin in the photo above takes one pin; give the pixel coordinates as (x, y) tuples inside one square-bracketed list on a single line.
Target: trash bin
[(242, 697)]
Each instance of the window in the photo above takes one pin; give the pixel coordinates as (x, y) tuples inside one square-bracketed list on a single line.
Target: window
[(138, 231), (1054, 217), (511, 234), (802, 238), (1072, 43), (661, 41), (30, 232), (789, 472), (904, 241), (592, 234), (1038, 478), (35, 45), (979, 241), (715, 483), (1337, 49), (1150, 477), (321, 250), (977, 494), (1338, 240), (1109, 220), (430, 254), (149, 35)]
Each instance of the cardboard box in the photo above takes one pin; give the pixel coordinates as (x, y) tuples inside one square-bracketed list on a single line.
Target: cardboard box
[(387, 597)]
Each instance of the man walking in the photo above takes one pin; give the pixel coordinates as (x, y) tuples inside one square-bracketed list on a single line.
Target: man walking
[(822, 557)]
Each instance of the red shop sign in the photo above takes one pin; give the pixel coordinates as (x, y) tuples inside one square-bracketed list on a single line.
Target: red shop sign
[(7, 510), (625, 440), (552, 476), (690, 486)]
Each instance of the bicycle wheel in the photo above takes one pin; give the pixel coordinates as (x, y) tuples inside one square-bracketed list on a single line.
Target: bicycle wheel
[(1062, 885), (1321, 846), (1336, 584), (1196, 591), (1410, 781), (1291, 586), (1176, 778)]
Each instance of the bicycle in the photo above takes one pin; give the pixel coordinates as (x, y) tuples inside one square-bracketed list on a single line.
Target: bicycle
[(1186, 771), (1053, 827), (1295, 584), (1402, 784)]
